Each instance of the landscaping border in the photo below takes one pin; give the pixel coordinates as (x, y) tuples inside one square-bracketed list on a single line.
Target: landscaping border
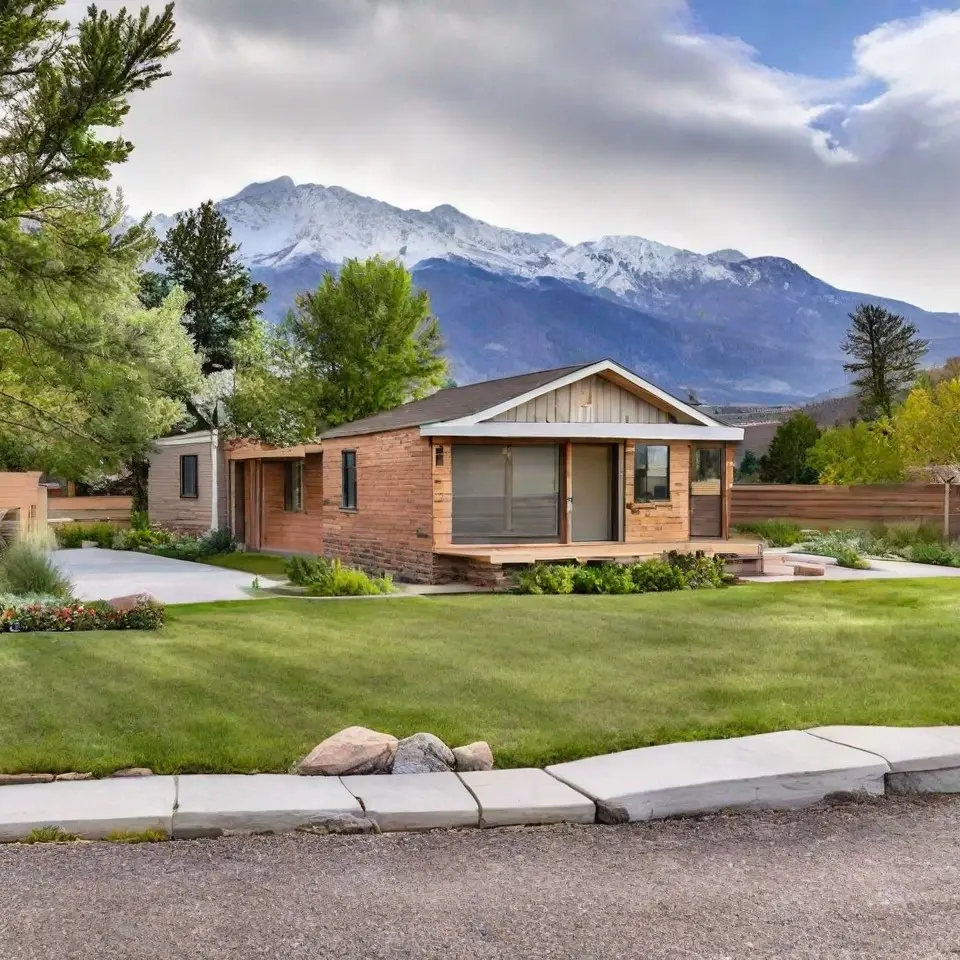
[(787, 770)]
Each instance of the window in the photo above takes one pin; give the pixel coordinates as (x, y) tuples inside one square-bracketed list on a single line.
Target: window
[(348, 481), (293, 486), (708, 464), (505, 493), (188, 477), (651, 467)]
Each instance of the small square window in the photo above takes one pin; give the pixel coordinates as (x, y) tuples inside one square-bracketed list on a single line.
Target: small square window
[(293, 486), (348, 479), (438, 457), (189, 468)]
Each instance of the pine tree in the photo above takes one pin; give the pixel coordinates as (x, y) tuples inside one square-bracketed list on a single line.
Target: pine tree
[(886, 351), (223, 304)]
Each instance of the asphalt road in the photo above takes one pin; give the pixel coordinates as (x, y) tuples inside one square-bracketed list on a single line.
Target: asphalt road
[(864, 880)]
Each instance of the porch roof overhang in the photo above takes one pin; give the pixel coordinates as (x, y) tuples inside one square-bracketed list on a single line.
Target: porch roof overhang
[(584, 431), (282, 453)]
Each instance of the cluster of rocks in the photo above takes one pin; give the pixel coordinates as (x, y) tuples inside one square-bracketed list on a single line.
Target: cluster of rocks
[(358, 751)]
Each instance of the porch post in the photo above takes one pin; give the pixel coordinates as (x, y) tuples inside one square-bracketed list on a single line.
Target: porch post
[(566, 488)]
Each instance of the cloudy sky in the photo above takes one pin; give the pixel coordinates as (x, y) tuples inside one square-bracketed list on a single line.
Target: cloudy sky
[(826, 131)]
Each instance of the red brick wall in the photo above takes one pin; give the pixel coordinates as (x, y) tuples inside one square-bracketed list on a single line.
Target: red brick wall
[(392, 528), (297, 532)]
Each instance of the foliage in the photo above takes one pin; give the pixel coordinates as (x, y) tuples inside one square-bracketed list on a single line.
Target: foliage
[(849, 557), (27, 568), (361, 343), (49, 835), (886, 351), (777, 533), (71, 536), (87, 376), (679, 572), (139, 520), (861, 453), (330, 578), (150, 835), (176, 546), (749, 466), (933, 553), (837, 543), (786, 461), (223, 306), (74, 617), (927, 427)]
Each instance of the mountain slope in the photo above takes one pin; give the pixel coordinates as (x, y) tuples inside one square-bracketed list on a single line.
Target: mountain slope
[(728, 326)]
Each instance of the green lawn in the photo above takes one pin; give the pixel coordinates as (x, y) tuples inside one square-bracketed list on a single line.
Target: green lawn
[(259, 564), (253, 685)]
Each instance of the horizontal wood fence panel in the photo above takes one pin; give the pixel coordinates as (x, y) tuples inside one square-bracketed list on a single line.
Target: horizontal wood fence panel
[(90, 509), (820, 506)]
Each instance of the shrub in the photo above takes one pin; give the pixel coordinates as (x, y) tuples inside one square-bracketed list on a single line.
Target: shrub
[(933, 553), (74, 616), (216, 541), (678, 572), (139, 520), (547, 578), (28, 568), (849, 557), (777, 533), (70, 536), (330, 578)]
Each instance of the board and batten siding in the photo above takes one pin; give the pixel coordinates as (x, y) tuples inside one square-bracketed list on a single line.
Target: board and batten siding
[(591, 400)]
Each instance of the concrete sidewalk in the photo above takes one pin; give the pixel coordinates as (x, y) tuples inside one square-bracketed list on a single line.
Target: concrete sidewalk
[(785, 770), (100, 574)]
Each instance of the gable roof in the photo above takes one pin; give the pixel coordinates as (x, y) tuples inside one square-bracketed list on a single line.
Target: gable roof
[(452, 403), (463, 406)]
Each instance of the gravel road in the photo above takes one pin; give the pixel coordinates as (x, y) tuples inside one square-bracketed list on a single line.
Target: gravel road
[(880, 879)]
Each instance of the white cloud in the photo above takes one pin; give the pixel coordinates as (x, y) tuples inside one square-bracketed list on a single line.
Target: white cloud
[(574, 118)]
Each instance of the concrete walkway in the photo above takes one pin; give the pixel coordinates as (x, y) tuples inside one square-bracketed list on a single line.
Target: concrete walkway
[(873, 880), (786, 770), (101, 574), (879, 569)]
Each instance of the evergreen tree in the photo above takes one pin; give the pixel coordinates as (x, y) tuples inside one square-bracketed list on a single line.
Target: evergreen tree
[(786, 461), (749, 466), (886, 351), (223, 303), (154, 289), (87, 375)]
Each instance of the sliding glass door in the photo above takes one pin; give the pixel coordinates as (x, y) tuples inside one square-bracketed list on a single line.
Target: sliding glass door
[(506, 493)]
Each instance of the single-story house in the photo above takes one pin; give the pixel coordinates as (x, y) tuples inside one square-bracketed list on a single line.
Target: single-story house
[(588, 461)]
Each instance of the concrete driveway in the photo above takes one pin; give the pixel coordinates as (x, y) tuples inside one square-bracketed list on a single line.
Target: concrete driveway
[(102, 574)]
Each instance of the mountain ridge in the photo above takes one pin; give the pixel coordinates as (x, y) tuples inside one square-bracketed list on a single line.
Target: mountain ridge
[(731, 327)]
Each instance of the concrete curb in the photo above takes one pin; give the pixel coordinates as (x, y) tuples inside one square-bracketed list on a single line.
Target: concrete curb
[(786, 770)]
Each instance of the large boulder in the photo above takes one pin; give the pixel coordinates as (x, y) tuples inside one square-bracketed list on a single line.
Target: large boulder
[(423, 753), (472, 757), (355, 750)]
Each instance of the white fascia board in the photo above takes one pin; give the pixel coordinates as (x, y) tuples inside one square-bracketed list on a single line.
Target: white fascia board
[(198, 436), (602, 366), (584, 431)]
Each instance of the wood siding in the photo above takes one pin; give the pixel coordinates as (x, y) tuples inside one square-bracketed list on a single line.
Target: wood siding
[(25, 502), (87, 509), (667, 520), (829, 506), (165, 505), (593, 400)]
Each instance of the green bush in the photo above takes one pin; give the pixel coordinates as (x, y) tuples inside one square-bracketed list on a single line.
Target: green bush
[(933, 553), (777, 533), (57, 616), (139, 520), (216, 542), (849, 557), (330, 578), (679, 572), (28, 569), (70, 536)]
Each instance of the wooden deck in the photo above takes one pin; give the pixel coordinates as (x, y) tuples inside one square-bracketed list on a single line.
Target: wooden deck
[(527, 553)]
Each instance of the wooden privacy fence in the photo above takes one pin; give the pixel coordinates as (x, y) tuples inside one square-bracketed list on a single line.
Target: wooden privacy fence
[(90, 509), (827, 506)]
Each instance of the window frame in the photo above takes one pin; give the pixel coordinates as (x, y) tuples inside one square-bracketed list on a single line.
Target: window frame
[(293, 484), (195, 458), (348, 480), (649, 497)]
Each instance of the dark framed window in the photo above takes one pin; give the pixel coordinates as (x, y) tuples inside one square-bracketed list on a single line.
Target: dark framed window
[(651, 477), (348, 479), (188, 476), (293, 486)]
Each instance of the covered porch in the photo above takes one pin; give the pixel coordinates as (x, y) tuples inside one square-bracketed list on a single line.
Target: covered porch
[(529, 553)]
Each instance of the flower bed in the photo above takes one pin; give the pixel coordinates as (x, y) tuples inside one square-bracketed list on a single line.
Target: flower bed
[(70, 616)]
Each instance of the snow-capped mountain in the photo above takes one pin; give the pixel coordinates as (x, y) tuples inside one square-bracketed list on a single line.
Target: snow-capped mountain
[(729, 326)]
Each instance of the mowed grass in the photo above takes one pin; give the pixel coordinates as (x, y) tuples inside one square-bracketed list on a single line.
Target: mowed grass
[(254, 685), (259, 564)]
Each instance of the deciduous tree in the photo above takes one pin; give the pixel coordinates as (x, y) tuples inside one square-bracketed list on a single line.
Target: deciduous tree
[(786, 461)]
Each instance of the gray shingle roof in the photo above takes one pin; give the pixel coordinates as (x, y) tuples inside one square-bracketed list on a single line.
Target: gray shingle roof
[(452, 403)]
